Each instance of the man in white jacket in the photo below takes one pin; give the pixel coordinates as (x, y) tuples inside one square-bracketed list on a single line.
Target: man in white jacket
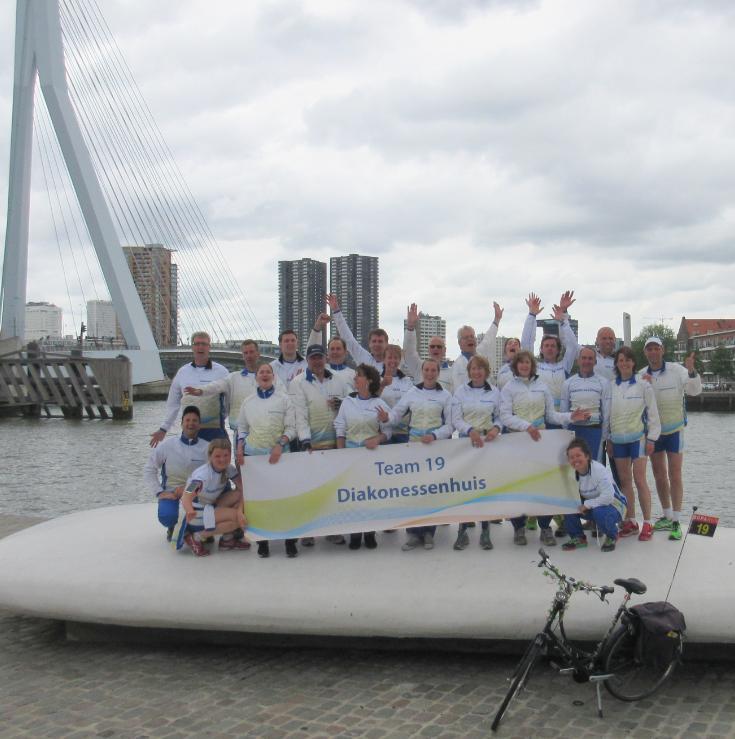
[(469, 347)]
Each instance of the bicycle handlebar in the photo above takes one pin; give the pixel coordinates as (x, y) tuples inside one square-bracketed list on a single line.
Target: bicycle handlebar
[(600, 590)]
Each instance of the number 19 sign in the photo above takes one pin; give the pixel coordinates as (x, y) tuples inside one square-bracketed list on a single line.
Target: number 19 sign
[(703, 525)]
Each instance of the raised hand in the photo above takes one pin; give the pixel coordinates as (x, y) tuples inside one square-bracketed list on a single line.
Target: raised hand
[(412, 316), (534, 304), (333, 302), (689, 363), (566, 300), (498, 312), (382, 414), (322, 320), (558, 313)]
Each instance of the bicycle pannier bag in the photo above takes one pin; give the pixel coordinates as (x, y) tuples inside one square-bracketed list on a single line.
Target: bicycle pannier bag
[(659, 625)]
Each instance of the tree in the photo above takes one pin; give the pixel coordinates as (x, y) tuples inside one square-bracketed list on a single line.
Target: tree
[(721, 364), (664, 333)]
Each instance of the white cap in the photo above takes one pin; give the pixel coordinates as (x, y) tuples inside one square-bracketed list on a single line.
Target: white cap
[(653, 340)]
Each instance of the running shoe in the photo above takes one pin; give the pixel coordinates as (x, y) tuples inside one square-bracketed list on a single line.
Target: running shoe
[(675, 533), (233, 544), (370, 541), (646, 532), (485, 542), (628, 528), (291, 551), (428, 540), (196, 546), (462, 540), (609, 544), (663, 524), (411, 543), (519, 537), (264, 549), (532, 523), (547, 537), (575, 543)]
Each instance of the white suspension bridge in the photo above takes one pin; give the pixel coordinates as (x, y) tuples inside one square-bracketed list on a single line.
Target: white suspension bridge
[(110, 180)]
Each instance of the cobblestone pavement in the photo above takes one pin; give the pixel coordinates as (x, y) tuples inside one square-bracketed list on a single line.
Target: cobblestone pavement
[(53, 688)]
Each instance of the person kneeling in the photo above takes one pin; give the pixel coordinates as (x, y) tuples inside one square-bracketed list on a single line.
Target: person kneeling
[(602, 500), (210, 506)]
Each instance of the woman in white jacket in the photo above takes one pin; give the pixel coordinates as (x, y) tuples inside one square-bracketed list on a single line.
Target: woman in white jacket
[(476, 415), (526, 405), (266, 425)]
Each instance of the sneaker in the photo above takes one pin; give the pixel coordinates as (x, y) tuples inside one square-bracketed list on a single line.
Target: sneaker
[(370, 542), (519, 537), (646, 532), (263, 549), (428, 541), (575, 543), (485, 542), (531, 523), (291, 550), (233, 544), (411, 543), (196, 546), (307, 541), (675, 533), (462, 540), (355, 541), (547, 537), (239, 535), (169, 533), (663, 524), (609, 544), (628, 528)]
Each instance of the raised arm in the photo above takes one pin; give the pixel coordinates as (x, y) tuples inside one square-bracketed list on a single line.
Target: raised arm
[(316, 335), (486, 348), (528, 337), (694, 381), (410, 352), (359, 353)]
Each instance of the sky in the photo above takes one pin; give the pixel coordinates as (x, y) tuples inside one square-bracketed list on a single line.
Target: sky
[(481, 149)]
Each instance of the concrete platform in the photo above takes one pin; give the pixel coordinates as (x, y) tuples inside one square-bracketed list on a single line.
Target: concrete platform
[(112, 566)]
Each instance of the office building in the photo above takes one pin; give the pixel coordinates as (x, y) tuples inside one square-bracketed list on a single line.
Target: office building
[(302, 286), (156, 280), (43, 321), (551, 327), (427, 327), (354, 279), (101, 319)]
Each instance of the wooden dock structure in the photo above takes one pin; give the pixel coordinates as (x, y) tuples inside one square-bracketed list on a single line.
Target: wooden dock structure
[(35, 383)]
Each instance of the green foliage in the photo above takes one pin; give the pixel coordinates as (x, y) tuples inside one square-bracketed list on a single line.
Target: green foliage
[(721, 363), (664, 333)]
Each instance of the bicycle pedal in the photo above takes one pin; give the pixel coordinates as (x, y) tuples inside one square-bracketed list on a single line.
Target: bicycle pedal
[(600, 678), (563, 670)]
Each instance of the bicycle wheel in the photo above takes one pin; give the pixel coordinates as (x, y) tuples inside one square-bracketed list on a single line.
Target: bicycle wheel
[(632, 678), (520, 677)]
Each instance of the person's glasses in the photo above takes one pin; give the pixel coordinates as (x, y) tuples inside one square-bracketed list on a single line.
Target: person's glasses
[(436, 346)]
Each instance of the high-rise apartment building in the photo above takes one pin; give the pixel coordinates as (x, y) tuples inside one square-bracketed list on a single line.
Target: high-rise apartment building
[(427, 327), (354, 279), (43, 320), (302, 285), (551, 327), (101, 319), (156, 280)]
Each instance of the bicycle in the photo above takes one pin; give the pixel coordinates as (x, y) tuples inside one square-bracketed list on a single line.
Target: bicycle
[(615, 662)]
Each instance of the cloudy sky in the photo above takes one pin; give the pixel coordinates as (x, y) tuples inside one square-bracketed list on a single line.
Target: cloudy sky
[(481, 149)]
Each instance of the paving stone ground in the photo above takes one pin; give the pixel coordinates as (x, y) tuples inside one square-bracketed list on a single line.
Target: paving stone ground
[(50, 687)]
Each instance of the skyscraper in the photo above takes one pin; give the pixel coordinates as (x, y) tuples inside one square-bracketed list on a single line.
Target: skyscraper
[(427, 327), (101, 319), (42, 320), (302, 285), (354, 279), (156, 280)]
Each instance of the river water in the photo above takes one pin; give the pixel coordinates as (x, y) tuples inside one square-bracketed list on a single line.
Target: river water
[(52, 466)]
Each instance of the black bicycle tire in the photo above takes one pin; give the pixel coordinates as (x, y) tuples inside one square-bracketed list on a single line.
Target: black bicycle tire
[(520, 676), (620, 657)]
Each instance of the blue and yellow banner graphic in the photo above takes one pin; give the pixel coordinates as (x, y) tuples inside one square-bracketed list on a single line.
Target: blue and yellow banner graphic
[(395, 486)]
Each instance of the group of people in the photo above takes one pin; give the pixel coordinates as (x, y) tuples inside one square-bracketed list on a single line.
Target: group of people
[(388, 395)]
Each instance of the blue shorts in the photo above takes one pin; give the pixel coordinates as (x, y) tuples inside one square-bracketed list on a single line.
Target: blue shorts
[(672, 443), (168, 512), (633, 449), (212, 434)]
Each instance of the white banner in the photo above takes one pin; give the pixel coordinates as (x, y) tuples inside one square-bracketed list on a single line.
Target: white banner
[(342, 491)]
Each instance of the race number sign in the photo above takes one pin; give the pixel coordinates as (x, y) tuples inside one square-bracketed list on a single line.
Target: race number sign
[(703, 525)]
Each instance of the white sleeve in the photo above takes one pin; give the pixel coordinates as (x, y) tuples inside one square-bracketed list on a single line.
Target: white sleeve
[(289, 420), (693, 385), (564, 397), (410, 355), (359, 354), (340, 422), (297, 393), (458, 416), (217, 387), (385, 428), (173, 403), (528, 337), (652, 419), (400, 409), (605, 408), (445, 430), (486, 348), (243, 427), (459, 373), (560, 419), (604, 483), (315, 337), (570, 344), (151, 475)]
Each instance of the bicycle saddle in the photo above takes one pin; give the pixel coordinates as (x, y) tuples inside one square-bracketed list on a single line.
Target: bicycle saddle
[(632, 585)]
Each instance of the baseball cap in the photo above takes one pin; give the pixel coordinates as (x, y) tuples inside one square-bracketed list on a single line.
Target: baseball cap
[(315, 349), (653, 340)]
